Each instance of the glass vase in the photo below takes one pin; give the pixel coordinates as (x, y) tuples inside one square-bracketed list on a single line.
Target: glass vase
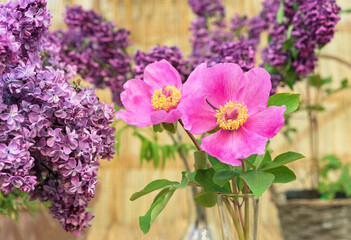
[(203, 221), (228, 229)]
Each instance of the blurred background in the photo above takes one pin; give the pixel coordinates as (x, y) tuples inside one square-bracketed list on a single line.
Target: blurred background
[(166, 22)]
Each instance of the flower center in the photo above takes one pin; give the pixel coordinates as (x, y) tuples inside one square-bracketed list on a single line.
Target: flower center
[(166, 98), (232, 115)]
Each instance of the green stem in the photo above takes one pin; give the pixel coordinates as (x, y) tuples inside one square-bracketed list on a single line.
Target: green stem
[(235, 219), (248, 163), (236, 203), (193, 140), (191, 136), (247, 209)]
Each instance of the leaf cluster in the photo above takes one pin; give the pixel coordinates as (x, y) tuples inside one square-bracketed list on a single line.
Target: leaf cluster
[(342, 185), (11, 204)]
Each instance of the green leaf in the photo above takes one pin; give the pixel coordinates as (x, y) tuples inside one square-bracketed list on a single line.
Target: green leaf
[(183, 183), (318, 82), (205, 178), (287, 44), (295, 6), (157, 128), (258, 181), (294, 52), (155, 185), (269, 39), (291, 77), (280, 13), (216, 164), (206, 199), (282, 174), (222, 176), (345, 176), (291, 101), (200, 160), (345, 11), (290, 28), (344, 83), (156, 208), (170, 127), (283, 159), (262, 159)]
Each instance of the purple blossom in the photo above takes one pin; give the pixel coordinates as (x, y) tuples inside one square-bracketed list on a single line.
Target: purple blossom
[(172, 54), (44, 146), (93, 48), (207, 8), (309, 24)]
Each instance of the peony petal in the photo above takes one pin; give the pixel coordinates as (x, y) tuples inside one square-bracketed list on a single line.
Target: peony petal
[(230, 146), (197, 115), (139, 119), (194, 82), (160, 74), (256, 91), (163, 116), (137, 96), (223, 82), (267, 122)]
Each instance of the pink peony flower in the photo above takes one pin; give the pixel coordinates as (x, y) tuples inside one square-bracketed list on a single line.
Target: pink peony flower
[(236, 103), (153, 100)]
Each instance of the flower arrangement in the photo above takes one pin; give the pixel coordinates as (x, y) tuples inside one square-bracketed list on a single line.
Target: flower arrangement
[(230, 107)]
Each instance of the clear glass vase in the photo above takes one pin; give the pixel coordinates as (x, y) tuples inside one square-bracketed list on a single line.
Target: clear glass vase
[(217, 223), (227, 226), (203, 221)]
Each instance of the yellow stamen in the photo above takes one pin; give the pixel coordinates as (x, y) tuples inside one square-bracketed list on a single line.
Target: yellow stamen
[(165, 98), (232, 115)]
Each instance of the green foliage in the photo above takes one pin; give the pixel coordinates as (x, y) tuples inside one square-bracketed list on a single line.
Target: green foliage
[(156, 208), (161, 199), (290, 28), (282, 174), (291, 76), (258, 181), (12, 203), (333, 166), (281, 13), (200, 160), (291, 101), (222, 176), (157, 128), (170, 127), (206, 199), (283, 159), (151, 150), (343, 11), (216, 164), (318, 82), (205, 179), (217, 180), (153, 186)]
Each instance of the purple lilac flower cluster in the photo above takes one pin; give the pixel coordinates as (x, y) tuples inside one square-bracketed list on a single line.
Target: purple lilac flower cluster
[(52, 135), (172, 54), (95, 48), (212, 43), (305, 27), (207, 8), (22, 28)]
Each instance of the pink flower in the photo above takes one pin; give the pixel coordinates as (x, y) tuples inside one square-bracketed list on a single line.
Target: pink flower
[(153, 100), (236, 103)]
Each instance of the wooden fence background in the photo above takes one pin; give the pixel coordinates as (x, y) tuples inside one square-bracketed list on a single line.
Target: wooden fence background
[(167, 22)]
